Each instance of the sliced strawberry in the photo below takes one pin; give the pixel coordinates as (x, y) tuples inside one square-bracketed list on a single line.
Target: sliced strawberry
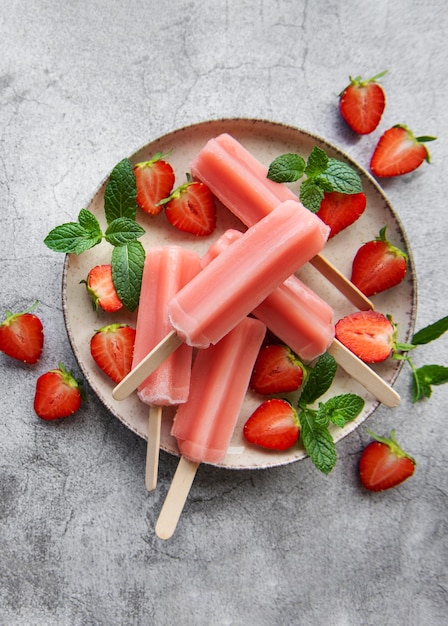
[(368, 334), (21, 336), (58, 394), (362, 104), (112, 348), (276, 370), (399, 152), (378, 265), (383, 464), (340, 210), (273, 425), (191, 208), (155, 181), (101, 289)]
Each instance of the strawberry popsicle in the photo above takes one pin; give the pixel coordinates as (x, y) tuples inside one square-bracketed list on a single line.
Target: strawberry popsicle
[(203, 426), (167, 269)]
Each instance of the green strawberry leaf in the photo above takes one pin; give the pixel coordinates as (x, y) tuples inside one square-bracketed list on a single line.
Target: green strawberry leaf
[(127, 271), (431, 332), (340, 409), (319, 379), (123, 230), (286, 168), (424, 377), (317, 162), (317, 441), (311, 195), (121, 192)]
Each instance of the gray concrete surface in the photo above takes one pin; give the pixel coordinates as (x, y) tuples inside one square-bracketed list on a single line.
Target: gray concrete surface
[(83, 84)]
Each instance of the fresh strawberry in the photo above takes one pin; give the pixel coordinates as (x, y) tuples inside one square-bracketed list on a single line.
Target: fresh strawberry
[(274, 425), (362, 104), (102, 290), (378, 265), (339, 210), (368, 334), (191, 208), (58, 394), (399, 152), (21, 336), (276, 370), (383, 464), (112, 348), (155, 181)]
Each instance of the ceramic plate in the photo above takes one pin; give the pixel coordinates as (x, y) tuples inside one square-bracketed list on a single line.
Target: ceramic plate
[(265, 140)]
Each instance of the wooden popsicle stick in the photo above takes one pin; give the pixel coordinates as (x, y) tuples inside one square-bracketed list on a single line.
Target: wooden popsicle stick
[(342, 283), (146, 366), (152, 450), (176, 498), (364, 374)]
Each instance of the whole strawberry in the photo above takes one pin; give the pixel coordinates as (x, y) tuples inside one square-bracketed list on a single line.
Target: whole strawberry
[(112, 348), (340, 210), (383, 464), (276, 370), (368, 334), (399, 152), (273, 425), (101, 289), (191, 208), (362, 104), (58, 394), (155, 180), (378, 265), (21, 336)]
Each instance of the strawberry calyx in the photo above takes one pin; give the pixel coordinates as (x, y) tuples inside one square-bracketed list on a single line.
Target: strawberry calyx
[(158, 156), (417, 140), (358, 81), (393, 249), (393, 445), (178, 192), (110, 328), (11, 317), (69, 379)]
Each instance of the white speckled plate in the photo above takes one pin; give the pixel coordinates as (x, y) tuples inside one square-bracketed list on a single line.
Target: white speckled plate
[(266, 140)]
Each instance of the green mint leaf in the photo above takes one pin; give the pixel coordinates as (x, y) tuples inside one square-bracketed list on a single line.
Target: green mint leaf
[(426, 376), (71, 238), (89, 222), (340, 177), (319, 379), (123, 230), (286, 168), (311, 195), (317, 162), (127, 271), (431, 332), (317, 441), (121, 192), (340, 409)]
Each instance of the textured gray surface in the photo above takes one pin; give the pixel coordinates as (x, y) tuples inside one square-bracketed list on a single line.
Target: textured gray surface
[(81, 86)]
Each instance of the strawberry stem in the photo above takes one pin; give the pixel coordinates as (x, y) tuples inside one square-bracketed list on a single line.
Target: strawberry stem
[(392, 443)]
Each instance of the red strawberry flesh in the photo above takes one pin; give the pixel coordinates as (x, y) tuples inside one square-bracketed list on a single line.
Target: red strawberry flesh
[(21, 337), (368, 334), (273, 425)]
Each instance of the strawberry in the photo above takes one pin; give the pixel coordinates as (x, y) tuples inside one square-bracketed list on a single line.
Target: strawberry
[(276, 370), (102, 290), (191, 208), (368, 334), (339, 210), (399, 152), (112, 348), (362, 104), (155, 181), (274, 425), (21, 336), (383, 464), (58, 394), (378, 265)]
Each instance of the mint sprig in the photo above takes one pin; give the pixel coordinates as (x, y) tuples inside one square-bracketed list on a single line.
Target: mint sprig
[(323, 174)]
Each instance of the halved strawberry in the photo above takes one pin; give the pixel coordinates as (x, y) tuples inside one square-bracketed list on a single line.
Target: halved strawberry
[(378, 265), (21, 336), (276, 370), (399, 152), (102, 290), (340, 210), (362, 104), (112, 348), (58, 394), (368, 334), (155, 180), (273, 425), (191, 208), (383, 464)]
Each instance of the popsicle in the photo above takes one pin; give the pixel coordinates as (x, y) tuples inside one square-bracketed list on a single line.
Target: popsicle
[(240, 182), (167, 269), (203, 426), (234, 283)]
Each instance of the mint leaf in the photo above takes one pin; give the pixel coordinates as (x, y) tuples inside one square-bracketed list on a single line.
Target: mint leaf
[(424, 377), (286, 168), (311, 195), (127, 271), (75, 237), (123, 230), (319, 379), (340, 177), (317, 441), (431, 332), (340, 409), (121, 192), (89, 222), (317, 162)]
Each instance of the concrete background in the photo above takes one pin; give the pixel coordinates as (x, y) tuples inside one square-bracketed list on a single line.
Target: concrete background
[(84, 84)]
